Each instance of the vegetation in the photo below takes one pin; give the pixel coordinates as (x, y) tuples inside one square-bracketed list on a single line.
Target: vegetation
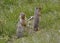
[(49, 23)]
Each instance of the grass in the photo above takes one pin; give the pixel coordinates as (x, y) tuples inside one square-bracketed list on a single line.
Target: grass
[(43, 36), (49, 22)]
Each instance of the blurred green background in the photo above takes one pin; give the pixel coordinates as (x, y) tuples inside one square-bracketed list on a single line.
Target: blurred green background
[(49, 23)]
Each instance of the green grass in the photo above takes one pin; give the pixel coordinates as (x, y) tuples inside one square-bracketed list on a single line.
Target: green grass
[(49, 23)]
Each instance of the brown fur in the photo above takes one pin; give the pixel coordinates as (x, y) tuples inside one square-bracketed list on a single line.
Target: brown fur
[(36, 18), (21, 24)]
